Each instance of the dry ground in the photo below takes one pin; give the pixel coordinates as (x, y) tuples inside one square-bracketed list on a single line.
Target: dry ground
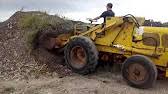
[(98, 83)]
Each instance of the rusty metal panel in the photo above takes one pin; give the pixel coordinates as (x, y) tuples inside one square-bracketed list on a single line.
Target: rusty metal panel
[(165, 40), (151, 39)]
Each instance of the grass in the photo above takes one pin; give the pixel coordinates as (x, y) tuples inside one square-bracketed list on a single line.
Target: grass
[(32, 24)]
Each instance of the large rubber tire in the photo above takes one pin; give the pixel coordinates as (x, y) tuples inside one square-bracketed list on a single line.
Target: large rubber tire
[(145, 66), (90, 51)]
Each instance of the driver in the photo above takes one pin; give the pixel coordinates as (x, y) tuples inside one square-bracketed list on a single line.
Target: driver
[(108, 13)]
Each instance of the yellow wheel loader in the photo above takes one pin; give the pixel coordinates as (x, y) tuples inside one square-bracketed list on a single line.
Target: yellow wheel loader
[(142, 51)]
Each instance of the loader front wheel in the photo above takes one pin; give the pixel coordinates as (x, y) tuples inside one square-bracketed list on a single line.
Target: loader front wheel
[(139, 72), (81, 55)]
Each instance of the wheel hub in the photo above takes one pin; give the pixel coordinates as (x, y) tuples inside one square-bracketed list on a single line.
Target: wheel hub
[(137, 73), (78, 57)]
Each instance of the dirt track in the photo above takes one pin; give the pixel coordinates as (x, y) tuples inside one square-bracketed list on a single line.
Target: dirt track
[(98, 83)]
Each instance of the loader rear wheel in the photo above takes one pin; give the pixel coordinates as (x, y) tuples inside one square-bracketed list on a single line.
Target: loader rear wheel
[(139, 72), (81, 55)]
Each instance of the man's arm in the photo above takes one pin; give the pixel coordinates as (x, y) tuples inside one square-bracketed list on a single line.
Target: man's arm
[(102, 15), (96, 18)]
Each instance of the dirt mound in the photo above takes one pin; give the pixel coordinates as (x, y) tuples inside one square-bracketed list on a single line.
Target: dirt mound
[(18, 59)]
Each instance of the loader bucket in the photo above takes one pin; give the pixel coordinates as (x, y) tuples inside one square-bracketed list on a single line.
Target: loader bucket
[(50, 42), (61, 40)]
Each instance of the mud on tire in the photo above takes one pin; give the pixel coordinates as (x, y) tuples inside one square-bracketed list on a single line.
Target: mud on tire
[(81, 55), (138, 71)]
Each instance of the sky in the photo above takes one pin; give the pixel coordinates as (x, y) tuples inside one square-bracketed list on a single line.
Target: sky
[(83, 9)]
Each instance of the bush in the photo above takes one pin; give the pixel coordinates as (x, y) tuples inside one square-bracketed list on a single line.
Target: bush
[(32, 23)]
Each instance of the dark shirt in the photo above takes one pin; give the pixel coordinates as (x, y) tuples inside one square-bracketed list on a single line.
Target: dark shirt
[(108, 13)]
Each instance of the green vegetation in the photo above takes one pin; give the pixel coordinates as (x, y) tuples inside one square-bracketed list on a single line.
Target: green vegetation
[(33, 23), (155, 23)]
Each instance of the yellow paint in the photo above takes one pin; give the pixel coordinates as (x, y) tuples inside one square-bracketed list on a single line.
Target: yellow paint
[(167, 72), (117, 37)]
